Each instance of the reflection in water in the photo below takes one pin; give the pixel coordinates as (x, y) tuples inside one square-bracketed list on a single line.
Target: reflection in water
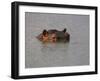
[(55, 54), (54, 47)]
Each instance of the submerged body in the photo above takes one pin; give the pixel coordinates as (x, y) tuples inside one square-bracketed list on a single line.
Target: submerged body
[(54, 35)]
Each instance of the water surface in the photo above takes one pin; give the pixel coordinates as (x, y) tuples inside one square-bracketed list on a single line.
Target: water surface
[(74, 53)]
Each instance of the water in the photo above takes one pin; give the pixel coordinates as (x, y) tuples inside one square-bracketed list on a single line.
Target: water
[(74, 53)]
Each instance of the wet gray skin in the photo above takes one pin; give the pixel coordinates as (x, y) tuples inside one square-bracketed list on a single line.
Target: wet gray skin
[(61, 36)]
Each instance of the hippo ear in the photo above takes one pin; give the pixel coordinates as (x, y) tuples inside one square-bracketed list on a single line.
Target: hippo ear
[(44, 32), (64, 30)]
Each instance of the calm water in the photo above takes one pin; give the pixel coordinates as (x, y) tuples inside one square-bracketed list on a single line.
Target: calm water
[(74, 53)]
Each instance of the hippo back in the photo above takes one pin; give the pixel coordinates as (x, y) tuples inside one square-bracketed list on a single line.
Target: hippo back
[(62, 37)]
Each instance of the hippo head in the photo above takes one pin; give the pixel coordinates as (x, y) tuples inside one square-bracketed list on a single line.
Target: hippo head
[(54, 35)]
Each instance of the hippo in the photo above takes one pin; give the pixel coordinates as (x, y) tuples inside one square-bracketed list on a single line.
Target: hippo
[(54, 35)]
